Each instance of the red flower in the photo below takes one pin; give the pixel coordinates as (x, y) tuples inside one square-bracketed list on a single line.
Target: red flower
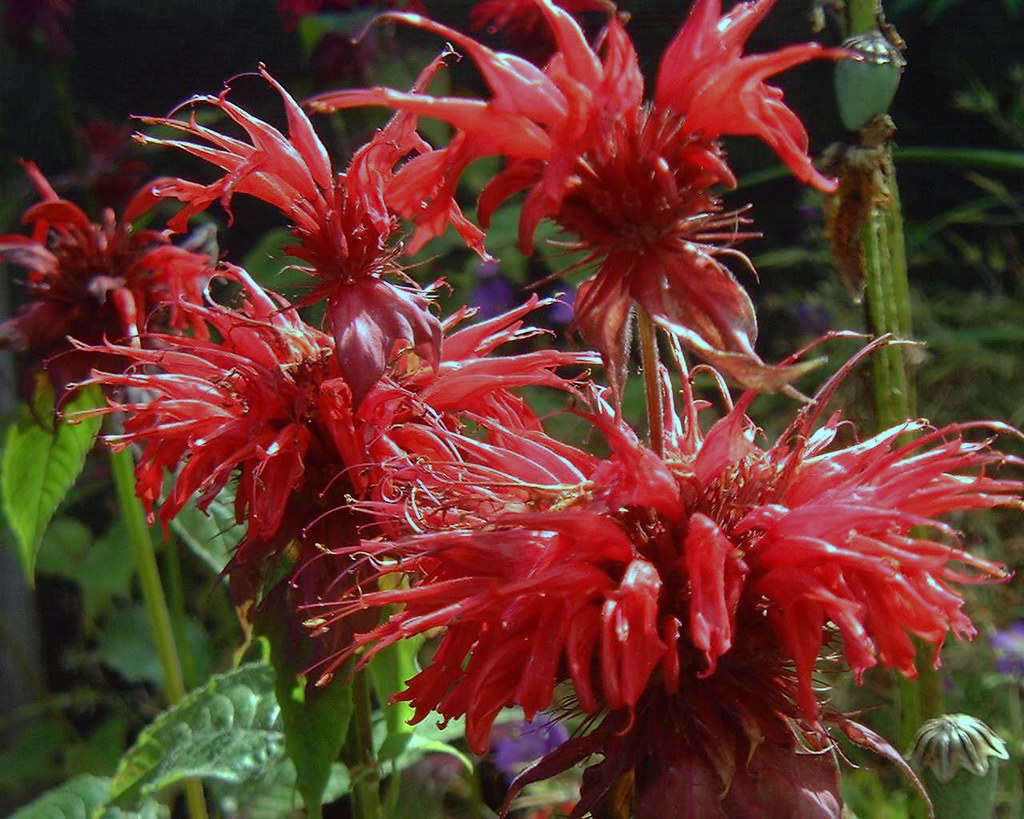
[(265, 399), (340, 221), (632, 180), (92, 281), (687, 598), (523, 23)]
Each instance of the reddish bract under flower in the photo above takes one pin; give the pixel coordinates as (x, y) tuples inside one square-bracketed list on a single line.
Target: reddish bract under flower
[(342, 223), (686, 598), (92, 281), (630, 179)]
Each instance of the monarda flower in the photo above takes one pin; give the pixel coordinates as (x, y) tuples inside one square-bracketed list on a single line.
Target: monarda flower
[(92, 281), (341, 222), (687, 599), (631, 179), (523, 25), (261, 399)]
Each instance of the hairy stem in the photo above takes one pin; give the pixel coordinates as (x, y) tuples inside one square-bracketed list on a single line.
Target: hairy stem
[(155, 601), (652, 388), (887, 303)]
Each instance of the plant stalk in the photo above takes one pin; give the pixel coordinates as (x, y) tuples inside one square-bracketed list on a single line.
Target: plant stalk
[(888, 310), (155, 602), (363, 771), (652, 387)]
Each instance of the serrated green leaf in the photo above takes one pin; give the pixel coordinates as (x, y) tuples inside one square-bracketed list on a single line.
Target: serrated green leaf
[(213, 536), (77, 798), (41, 461), (275, 795), (228, 730), (315, 719)]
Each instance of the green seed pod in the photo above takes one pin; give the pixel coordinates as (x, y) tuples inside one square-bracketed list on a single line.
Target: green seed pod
[(953, 753), (866, 83)]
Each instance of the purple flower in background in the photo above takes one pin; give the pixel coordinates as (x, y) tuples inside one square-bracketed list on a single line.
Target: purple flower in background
[(1009, 649), (516, 744), (493, 293), (562, 310)]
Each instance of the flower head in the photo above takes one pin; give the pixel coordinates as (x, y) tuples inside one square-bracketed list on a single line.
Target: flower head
[(686, 598), (954, 741), (341, 222), (92, 281), (631, 179)]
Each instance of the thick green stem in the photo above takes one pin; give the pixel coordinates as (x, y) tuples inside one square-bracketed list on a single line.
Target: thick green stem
[(888, 309), (153, 596), (652, 387), (862, 16), (363, 769)]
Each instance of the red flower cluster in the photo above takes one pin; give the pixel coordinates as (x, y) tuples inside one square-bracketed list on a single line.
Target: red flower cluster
[(261, 395), (92, 281), (686, 598), (630, 179), (680, 595), (342, 222)]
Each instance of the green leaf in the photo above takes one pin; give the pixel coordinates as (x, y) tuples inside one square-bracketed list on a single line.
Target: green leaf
[(389, 670), (212, 536), (126, 645), (275, 795), (228, 730), (271, 266), (41, 461), (77, 798), (103, 568), (315, 719)]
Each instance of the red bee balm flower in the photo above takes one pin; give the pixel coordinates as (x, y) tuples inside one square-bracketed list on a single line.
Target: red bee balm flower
[(92, 281), (631, 179), (340, 221), (686, 598), (523, 23)]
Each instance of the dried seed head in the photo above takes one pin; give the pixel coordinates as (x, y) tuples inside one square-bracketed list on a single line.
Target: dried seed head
[(954, 741)]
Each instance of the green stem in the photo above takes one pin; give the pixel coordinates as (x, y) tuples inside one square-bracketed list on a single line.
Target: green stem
[(979, 158), (179, 618), (652, 387), (153, 596), (363, 771), (862, 16)]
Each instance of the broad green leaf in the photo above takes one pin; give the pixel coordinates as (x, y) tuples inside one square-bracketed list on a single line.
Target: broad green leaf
[(41, 461), (77, 798), (229, 730), (103, 569), (315, 719), (212, 536), (389, 670), (150, 809), (408, 748), (126, 645), (275, 795), (33, 756)]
